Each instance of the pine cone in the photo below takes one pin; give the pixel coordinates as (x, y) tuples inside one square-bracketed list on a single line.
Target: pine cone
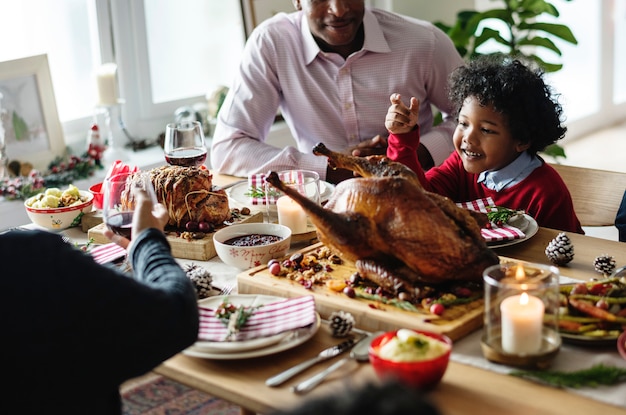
[(560, 250), (341, 323), (201, 278), (604, 264)]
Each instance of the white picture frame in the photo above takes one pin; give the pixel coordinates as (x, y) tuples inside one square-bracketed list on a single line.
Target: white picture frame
[(33, 131)]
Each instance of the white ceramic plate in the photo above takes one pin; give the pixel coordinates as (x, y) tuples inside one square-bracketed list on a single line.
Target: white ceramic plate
[(238, 193), (244, 345), (295, 338), (529, 227)]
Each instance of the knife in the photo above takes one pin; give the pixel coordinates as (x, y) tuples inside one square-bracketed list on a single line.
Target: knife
[(229, 185), (323, 355)]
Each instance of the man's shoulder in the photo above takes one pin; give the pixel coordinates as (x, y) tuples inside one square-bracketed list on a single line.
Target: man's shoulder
[(389, 17)]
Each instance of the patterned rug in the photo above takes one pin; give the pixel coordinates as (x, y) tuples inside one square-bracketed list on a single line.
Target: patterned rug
[(161, 396)]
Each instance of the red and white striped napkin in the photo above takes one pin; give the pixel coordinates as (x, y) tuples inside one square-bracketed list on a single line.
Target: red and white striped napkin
[(257, 181), (107, 253), (504, 232), (266, 320)]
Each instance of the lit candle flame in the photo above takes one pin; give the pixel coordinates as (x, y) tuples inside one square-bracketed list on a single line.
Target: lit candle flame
[(520, 274), (523, 299)]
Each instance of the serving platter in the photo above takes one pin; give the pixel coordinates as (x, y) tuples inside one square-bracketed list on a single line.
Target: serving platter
[(589, 341), (456, 322), (199, 249)]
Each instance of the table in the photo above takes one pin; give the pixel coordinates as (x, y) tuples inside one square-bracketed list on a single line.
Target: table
[(464, 389)]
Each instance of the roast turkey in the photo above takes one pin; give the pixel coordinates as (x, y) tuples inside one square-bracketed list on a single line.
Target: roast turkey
[(397, 233), (189, 195)]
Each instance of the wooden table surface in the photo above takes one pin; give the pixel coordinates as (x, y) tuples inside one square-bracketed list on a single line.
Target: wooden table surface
[(464, 389)]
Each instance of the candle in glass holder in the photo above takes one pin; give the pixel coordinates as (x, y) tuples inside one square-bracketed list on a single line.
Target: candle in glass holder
[(291, 214), (522, 323)]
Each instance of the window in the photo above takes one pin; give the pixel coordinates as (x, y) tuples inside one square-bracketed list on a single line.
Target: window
[(171, 53), (168, 53)]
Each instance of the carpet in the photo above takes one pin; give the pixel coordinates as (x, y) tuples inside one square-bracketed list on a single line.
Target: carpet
[(161, 396)]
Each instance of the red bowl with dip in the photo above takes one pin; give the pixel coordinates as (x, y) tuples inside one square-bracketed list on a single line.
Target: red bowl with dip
[(421, 374), (98, 196)]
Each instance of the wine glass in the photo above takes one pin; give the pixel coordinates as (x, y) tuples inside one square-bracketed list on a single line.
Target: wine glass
[(184, 144), (120, 197)]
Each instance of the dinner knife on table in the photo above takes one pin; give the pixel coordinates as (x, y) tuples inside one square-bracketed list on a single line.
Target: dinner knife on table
[(323, 355)]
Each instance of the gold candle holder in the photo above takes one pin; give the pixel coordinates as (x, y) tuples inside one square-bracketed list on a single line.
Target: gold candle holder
[(521, 314)]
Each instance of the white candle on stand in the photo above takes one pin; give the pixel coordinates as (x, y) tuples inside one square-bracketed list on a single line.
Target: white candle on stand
[(106, 78), (522, 324), (291, 214)]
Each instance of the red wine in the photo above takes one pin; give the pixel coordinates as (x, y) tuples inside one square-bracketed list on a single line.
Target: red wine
[(186, 157), (121, 223)]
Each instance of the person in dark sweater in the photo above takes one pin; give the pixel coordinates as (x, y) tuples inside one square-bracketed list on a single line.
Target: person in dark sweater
[(73, 330), (506, 114)]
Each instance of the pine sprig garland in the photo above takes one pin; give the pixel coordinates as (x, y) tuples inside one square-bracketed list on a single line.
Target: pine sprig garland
[(61, 171), (592, 377)]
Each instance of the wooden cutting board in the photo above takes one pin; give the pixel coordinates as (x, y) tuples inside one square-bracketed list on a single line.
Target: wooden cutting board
[(456, 322), (198, 249)]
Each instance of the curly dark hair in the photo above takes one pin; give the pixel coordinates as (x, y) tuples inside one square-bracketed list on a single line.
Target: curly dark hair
[(515, 89), (390, 398)]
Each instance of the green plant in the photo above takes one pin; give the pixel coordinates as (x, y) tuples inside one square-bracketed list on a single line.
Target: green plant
[(523, 35)]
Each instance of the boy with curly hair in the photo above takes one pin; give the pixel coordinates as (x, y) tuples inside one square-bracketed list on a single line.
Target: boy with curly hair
[(506, 114)]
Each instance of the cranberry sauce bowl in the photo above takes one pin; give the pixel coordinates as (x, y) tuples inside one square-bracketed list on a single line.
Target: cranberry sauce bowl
[(248, 245)]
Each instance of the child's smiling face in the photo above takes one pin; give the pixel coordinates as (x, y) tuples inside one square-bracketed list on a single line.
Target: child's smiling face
[(482, 138)]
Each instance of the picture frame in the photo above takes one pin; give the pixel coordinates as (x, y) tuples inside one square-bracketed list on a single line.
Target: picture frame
[(33, 132), (255, 11)]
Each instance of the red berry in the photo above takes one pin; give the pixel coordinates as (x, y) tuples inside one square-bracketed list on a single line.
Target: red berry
[(349, 291), (205, 227), (437, 309), (274, 268), (191, 226), (580, 288)]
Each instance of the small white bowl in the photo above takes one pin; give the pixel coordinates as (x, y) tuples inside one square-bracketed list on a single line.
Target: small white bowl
[(246, 257), (58, 219)]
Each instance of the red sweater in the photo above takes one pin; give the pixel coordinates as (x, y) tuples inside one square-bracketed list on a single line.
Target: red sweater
[(543, 194)]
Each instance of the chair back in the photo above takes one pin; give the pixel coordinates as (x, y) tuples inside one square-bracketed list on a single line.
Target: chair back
[(596, 194)]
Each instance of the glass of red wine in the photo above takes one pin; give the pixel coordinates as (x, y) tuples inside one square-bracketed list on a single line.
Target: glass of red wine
[(120, 194), (184, 144)]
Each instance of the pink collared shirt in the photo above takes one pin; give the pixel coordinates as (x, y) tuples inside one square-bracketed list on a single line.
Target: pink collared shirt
[(326, 98)]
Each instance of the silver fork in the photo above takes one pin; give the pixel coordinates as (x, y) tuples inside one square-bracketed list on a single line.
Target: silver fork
[(227, 289)]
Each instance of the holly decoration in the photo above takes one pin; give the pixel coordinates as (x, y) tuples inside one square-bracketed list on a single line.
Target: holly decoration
[(61, 171)]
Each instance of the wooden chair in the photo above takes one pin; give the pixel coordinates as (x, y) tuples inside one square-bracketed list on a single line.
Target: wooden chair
[(596, 194)]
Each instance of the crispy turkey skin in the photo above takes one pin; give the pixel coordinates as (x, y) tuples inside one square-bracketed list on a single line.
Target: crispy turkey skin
[(397, 233)]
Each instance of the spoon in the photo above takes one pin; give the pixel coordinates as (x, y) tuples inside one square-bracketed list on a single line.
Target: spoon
[(359, 353)]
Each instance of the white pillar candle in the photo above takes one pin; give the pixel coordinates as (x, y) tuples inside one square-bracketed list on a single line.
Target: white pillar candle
[(522, 324), (106, 79), (291, 214)]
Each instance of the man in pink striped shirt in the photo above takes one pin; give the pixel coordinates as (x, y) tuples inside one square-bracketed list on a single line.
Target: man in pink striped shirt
[(329, 69)]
